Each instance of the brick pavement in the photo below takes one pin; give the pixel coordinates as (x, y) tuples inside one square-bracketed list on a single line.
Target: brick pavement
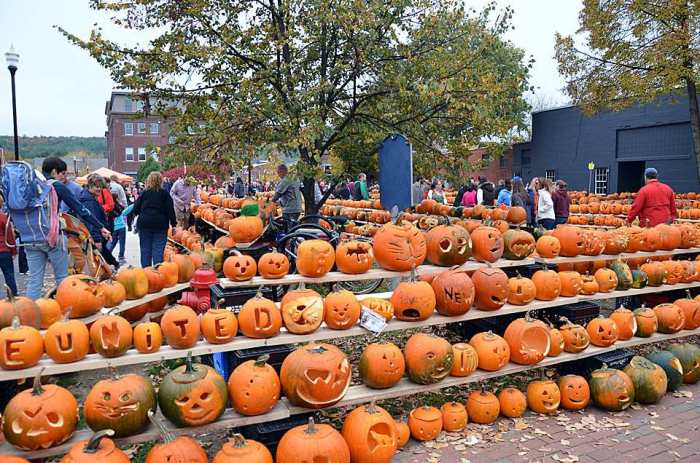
[(661, 433)]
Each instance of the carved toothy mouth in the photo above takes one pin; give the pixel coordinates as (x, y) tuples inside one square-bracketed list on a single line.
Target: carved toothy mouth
[(411, 313), (549, 405)]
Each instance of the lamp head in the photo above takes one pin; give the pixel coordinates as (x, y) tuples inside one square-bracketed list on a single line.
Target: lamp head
[(12, 59)]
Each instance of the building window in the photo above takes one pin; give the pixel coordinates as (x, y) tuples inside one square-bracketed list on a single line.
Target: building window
[(550, 174), (155, 128), (128, 128), (129, 152), (142, 127), (142, 154), (128, 105), (601, 181), (139, 106)]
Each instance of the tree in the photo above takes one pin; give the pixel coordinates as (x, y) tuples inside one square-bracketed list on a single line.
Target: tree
[(317, 77), (634, 51), (151, 165)]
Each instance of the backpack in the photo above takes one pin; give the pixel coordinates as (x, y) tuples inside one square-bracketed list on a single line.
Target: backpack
[(31, 202)]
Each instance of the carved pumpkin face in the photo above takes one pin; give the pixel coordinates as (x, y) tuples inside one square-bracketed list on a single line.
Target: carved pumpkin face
[(180, 326), (656, 273), (625, 322), (556, 342), (575, 393), (315, 258), (354, 257), (548, 246), (182, 449), (454, 292), (148, 337), (570, 239), (303, 315), (259, 318), (602, 331), (240, 267), (607, 280), (254, 387), (413, 301), (341, 309), (81, 293), (111, 335), (691, 312), (575, 336), (67, 341), (372, 434), (219, 326), (273, 265), (521, 290), (647, 323), (670, 318), (518, 244), (513, 402), (589, 285), (466, 359), (528, 340), (429, 358), (315, 375), (399, 247), (381, 365), (548, 284), (611, 389), (454, 416), (493, 350), (448, 245), (487, 244), (571, 283), (543, 396), (491, 288), (425, 423), (483, 407), (120, 404)]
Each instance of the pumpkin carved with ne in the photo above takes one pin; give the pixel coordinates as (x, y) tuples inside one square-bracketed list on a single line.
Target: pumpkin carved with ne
[(254, 387), (259, 318), (241, 450), (313, 443), (111, 336), (429, 358), (370, 433), (99, 448), (454, 292), (425, 423), (399, 247), (381, 365), (575, 393)]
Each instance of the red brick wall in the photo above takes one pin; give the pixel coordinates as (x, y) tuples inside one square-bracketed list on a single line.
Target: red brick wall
[(493, 171), (117, 141)]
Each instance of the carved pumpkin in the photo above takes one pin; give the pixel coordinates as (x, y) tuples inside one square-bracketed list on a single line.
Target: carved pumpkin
[(413, 300), (547, 284), (399, 247), (380, 306), (576, 337), (556, 342), (454, 416), (575, 393), (315, 258), (656, 273), (483, 407), (180, 449), (429, 358), (80, 293), (589, 285), (454, 292), (513, 402), (120, 404), (240, 267), (425, 423), (370, 433), (670, 318), (649, 379), (97, 448), (303, 314), (193, 394), (571, 283), (148, 337), (691, 311), (548, 246), (403, 434), (67, 341), (689, 356), (254, 387), (40, 417), (113, 292), (571, 240), (521, 290), (602, 331), (493, 350), (528, 340), (273, 265), (491, 288), (625, 322), (647, 321), (259, 318), (381, 365), (180, 326), (487, 244), (543, 396), (670, 237), (466, 359), (341, 309), (671, 366), (354, 257), (241, 450), (518, 244), (611, 389), (448, 245), (675, 272), (516, 215), (219, 326), (156, 279), (134, 280), (593, 242), (20, 346), (111, 336), (607, 280), (170, 272), (315, 375)]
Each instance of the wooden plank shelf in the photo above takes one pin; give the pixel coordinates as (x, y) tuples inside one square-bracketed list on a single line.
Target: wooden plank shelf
[(215, 227), (624, 255), (132, 357)]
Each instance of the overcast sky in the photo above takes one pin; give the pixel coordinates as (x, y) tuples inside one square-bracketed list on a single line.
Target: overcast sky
[(62, 91)]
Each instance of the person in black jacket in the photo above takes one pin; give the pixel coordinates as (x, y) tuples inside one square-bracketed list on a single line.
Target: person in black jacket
[(155, 212), (88, 198)]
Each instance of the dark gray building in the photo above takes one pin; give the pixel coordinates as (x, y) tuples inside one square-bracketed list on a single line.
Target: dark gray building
[(620, 144)]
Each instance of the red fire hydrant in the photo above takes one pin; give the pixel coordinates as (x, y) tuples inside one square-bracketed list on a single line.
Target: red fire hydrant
[(200, 299)]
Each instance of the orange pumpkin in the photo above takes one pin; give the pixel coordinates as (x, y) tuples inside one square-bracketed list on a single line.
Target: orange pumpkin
[(602, 331), (413, 300), (606, 279), (491, 288), (425, 423), (483, 407), (571, 240), (218, 326), (315, 258), (625, 321), (399, 247), (259, 318), (454, 292), (341, 310), (240, 267), (548, 246), (487, 244), (493, 350), (180, 326), (512, 402), (571, 283), (273, 265), (543, 396), (528, 340), (448, 245), (575, 393), (670, 318), (254, 387), (454, 416), (354, 257), (381, 365), (547, 284)]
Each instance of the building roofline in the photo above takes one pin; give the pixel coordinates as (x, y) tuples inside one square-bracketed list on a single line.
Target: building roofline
[(555, 108)]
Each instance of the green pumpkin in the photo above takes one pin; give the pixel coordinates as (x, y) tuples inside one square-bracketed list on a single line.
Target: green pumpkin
[(456, 211), (517, 244), (671, 365), (649, 379), (538, 232), (624, 274), (192, 394), (689, 356), (611, 389), (639, 279)]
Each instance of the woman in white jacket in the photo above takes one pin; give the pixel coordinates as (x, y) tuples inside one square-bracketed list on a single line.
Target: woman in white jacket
[(545, 205)]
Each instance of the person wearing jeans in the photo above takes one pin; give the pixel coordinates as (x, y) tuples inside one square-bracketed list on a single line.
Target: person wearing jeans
[(155, 212), (545, 205), (119, 236), (8, 249)]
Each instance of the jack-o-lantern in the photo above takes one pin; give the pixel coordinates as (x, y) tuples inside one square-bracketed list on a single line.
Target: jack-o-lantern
[(691, 311), (487, 244), (313, 443), (370, 433), (97, 448), (607, 280), (219, 326), (254, 387), (521, 290), (403, 433), (20, 346), (671, 366), (556, 342), (148, 337), (40, 417), (240, 449), (528, 340), (399, 247), (121, 404), (647, 322), (315, 258), (448, 245), (547, 283), (454, 292), (491, 288), (543, 396), (493, 350), (240, 267), (111, 336), (156, 279), (589, 285), (675, 272), (689, 356), (593, 242), (67, 341), (483, 407), (575, 336), (548, 246), (575, 393), (341, 309), (381, 365), (429, 358), (602, 331), (611, 389), (670, 236), (259, 318), (466, 359), (81, 293), (649, 379), (315, 375), (302, 315), (354, 257), (180, 326), (380, 306), (518, 244), (413, 300), (571, 283), (180, 449), (273, 265), (454, 416), (656, 273), (513, 402), (625, 321), (425, 423), (113, 292), (670, 318), (571, 240), (193, 394), (134, 280)]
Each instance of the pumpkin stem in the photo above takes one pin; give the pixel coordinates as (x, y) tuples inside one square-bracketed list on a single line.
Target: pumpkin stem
[(412, 275), (93, 444), (262, 360), (220, 303), (259, 294), (317, 349), (371, 408), (10, 294), (16, 323), (189, 367), (113, 371), (687, 293), (238, 441), (165, 434), (311, 427), (36, 387), (66, 314)]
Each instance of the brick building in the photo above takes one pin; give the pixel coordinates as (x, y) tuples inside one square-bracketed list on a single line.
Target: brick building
[(131, 135), (494, 169)]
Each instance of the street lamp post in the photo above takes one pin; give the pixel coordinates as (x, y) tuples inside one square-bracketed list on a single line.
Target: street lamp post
[(12, 59), (75, 166)]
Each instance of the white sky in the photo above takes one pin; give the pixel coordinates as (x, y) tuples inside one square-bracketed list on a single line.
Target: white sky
[(62, 91)]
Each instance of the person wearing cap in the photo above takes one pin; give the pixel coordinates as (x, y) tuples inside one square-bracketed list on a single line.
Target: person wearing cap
[(561, 200), (655, 202)]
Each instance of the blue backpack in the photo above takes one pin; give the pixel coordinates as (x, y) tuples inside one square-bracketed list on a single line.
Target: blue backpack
[(31, 202)]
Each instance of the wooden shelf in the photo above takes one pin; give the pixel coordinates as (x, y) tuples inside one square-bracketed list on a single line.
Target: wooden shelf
[(215, 227), (132, 357), (624, 255)]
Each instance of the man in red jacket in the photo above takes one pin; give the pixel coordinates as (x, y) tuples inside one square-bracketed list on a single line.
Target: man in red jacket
[(654, 203)]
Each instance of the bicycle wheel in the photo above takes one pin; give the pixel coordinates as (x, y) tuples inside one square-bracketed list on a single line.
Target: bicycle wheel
[(362, 286)]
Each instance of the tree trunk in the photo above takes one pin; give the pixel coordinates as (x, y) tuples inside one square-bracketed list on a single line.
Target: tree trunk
[(310, 206), (694, 121)]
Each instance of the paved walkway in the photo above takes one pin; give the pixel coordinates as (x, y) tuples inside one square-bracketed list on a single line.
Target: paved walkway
[(665, 432)]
